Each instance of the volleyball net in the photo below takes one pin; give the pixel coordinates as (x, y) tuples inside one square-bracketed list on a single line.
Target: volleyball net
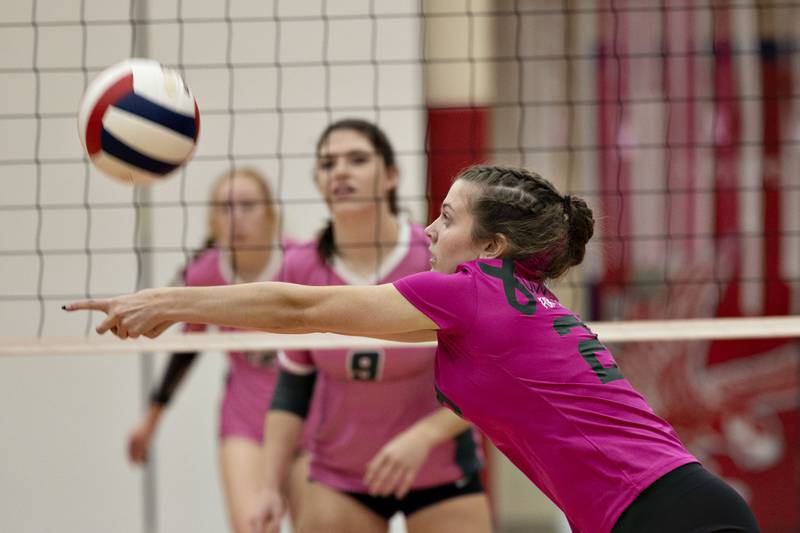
[(677, 121)]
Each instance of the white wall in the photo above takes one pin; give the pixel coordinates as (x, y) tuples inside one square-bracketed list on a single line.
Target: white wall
[(64, 419)]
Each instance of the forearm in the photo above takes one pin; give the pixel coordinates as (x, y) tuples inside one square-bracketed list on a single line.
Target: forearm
[(176, 369), (283, 433), (372, 311), (412, 336), (438, 427), (267, 306), (291, 308)]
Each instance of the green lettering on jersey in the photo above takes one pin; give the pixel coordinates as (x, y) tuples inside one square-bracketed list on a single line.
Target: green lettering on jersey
[(588, 348), (564, 324), (444, 400), (510, 285)]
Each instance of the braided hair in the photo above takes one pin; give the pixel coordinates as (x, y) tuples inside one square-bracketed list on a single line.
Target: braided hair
[(536, 220)]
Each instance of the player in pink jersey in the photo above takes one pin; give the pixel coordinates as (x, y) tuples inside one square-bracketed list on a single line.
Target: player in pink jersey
[(423, 461), (510, 358), (241, 247)]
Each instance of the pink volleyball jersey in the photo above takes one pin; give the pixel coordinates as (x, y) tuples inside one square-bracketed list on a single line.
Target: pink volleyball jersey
[(364, 398), (252, 376), (539, 384)]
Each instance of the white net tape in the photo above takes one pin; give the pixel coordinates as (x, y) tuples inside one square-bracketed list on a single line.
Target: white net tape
[(612, 332)]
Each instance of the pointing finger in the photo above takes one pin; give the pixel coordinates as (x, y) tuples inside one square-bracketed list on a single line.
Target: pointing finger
[(91, 305)]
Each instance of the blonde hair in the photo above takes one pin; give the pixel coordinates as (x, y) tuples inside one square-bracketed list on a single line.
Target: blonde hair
[(250, 173)]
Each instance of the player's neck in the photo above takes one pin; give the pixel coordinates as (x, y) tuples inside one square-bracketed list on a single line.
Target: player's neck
[(365, 240), (250, 264)]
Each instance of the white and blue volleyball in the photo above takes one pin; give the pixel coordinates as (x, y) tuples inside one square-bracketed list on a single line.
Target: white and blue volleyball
[(138, 121)]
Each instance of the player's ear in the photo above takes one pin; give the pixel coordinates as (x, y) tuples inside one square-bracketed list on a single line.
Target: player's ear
[(495, 247), (392, 177)]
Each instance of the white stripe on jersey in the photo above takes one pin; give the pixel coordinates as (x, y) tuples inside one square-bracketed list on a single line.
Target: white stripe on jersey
[(293, 366), (388, 264)]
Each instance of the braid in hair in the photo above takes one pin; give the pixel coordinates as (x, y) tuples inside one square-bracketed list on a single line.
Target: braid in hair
[(537, 221)]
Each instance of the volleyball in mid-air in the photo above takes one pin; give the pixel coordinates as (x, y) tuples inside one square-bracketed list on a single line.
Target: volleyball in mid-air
[(138, 121)]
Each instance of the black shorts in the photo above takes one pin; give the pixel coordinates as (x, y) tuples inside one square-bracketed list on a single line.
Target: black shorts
[(690, 499), (416, 500)]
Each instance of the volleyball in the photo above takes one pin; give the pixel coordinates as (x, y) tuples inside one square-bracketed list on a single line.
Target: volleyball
[(138, 121)]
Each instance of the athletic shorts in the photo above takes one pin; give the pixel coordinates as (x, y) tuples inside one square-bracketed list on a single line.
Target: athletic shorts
[(416, 500), (690, 499)]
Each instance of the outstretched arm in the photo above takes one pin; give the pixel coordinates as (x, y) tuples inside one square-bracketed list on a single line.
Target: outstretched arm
[(371, 311)]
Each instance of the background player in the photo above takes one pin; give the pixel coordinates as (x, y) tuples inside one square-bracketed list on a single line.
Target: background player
[(372, 407), (241, 247)]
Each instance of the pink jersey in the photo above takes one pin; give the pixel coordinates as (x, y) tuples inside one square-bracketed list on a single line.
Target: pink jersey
[(364, 398), (538, 383), (252, 375)]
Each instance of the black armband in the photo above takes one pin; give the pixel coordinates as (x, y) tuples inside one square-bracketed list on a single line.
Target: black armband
[(293, 393), (177, 367)]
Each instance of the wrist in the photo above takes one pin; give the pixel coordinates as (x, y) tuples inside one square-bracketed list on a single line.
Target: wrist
[(425, 435), (271, 484), (272, 478), (154, 413), (169, 304)]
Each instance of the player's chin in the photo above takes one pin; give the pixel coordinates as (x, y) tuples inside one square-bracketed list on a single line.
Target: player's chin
[(436, 266), (349, 209), (244, 243)]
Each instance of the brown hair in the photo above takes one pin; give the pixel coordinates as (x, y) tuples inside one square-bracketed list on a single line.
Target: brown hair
[(326, 246), (536, 220)]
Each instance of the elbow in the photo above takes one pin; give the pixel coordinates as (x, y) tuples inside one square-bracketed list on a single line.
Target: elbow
[(287, 322), (296, 318), (299, 311), (303, 321)]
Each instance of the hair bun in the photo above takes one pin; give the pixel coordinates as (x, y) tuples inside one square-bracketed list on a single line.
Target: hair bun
[(566, 202)]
